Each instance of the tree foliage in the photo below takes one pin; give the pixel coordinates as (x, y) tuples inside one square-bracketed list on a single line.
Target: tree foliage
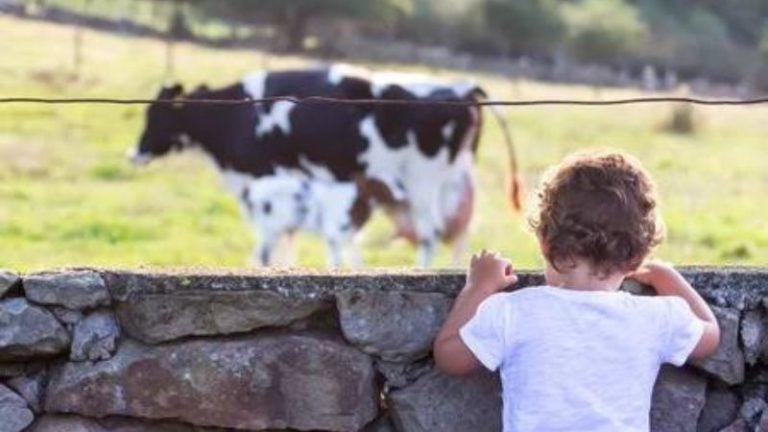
[(525, 25), (603, 30)]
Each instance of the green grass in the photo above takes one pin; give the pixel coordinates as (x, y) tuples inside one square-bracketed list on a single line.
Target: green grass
[(69, 198)]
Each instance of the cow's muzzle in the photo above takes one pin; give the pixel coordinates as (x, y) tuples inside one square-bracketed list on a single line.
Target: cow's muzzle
[(137, 158)]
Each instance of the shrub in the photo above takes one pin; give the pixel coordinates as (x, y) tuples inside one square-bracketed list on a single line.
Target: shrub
[(603, 30)]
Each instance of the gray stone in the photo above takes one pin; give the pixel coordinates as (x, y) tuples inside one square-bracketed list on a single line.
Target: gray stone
[(437, 402), (727, 363), (281, 380), (678, 398), (381, 424), (8, 280), (753, 334), (95, 337), (762, 425), (720, 409), (752, 408), (14, 414), (154, 318), (31, 388), (72, 423), (737, 426), (68, 317), (396, 326), (634, 287), (10, 370), (75, 289), (398, 375), (28, 331)]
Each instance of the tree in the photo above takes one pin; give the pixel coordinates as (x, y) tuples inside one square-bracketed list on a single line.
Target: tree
[(526, 25), (291, 17)]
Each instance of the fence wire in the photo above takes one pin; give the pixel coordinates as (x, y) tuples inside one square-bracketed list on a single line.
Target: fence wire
[(400, 102)]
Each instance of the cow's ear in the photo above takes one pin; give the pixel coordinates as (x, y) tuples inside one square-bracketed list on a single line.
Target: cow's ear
[(478, 93), (171, 91), (177, 90)]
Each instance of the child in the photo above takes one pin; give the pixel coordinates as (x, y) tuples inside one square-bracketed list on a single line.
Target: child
[(576, 354)]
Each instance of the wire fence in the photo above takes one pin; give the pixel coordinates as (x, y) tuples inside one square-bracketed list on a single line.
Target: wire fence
[(399, 102)]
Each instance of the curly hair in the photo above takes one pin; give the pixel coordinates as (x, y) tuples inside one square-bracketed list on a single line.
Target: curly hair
[(598, 207)]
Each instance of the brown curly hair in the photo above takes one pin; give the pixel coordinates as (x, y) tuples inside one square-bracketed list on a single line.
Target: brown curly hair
[(598, 207)]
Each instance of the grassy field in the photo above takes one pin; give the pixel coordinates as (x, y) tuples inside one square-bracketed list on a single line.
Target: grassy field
[(68, 197)]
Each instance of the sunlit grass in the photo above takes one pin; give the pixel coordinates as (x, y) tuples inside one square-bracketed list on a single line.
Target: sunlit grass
[(69, 198)]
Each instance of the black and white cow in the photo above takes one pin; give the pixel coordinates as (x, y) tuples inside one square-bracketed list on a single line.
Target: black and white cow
[(423, 155)]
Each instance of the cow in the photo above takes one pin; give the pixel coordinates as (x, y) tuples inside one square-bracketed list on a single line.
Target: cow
[(280, 205), (422, 155)]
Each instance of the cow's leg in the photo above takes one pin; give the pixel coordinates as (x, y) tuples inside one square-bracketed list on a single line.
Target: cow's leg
[(285, 253), (335, 258), (264, 251), (355, 257), (427, 248), (459, 248)]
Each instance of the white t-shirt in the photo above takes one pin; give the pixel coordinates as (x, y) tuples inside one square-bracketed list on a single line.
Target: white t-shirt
[(579, 360)]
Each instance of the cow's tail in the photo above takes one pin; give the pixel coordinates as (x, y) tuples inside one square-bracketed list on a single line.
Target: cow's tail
[(514, 182)]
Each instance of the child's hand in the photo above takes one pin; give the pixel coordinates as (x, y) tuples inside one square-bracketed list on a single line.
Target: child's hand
[(656, 274), (489, 272)]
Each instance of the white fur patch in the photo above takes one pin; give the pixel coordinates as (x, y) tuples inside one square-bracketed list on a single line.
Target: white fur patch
[(254, 84), (316, 171), (448, 130), (278, 117)]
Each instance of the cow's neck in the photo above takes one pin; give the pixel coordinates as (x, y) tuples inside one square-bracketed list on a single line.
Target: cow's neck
[(223, 132)]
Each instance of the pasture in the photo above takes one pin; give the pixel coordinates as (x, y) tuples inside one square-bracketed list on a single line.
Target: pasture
[(68, 196)]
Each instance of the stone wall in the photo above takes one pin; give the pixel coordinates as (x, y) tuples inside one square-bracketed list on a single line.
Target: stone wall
[(98, 350)]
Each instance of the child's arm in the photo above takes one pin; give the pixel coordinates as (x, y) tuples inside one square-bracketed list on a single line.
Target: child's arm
[(488, 273), (669, 282)]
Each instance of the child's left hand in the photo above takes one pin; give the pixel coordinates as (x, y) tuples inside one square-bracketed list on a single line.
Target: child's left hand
[(490, 272)]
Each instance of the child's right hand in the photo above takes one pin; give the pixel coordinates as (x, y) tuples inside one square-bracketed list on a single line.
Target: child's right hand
[(490, 272)]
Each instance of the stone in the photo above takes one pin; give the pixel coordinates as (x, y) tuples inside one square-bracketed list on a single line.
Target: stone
[(395, 326), (752, 409), (8, 280), (155, 318), (71, 423), (68, 317), (14, 414), (437, 402), (381, 424), (727, 363), (75, 289), (737, 426), (28, 331), (10, 370), (678, 398), (762, 425), (31, 388), (753, 335), (278, 379), (720, 409), (398, 375), (95, 337)]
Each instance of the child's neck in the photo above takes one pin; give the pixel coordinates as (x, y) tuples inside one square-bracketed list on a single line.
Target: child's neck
[(582, 278)]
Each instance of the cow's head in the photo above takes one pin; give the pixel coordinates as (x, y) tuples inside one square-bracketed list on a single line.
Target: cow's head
[(163, 131)]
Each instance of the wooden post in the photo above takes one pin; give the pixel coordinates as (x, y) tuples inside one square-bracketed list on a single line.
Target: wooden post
[(77, 42)]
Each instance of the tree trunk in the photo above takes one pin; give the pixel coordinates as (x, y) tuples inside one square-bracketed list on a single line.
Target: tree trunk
[(293, 29)]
